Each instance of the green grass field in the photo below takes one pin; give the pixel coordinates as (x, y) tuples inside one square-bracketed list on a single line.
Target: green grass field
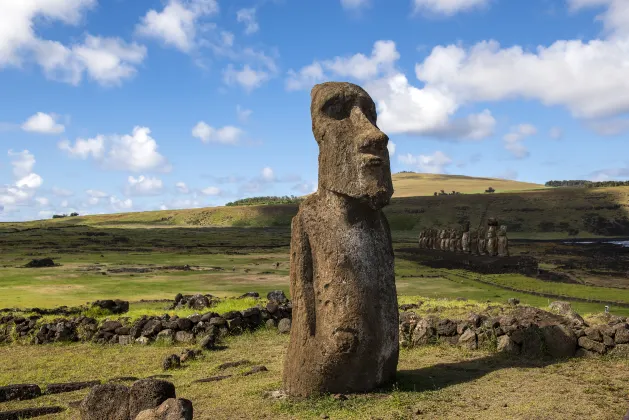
[(433, 381)]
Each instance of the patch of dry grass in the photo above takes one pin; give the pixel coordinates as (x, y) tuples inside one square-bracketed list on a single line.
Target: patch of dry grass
[(433, 382)]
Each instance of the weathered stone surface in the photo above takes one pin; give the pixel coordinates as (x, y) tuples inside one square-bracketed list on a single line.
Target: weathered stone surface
[(184, 337), (208, 342), (559, 341), (255, 369), (116, 306), (594, 334), (284, 326), (532, 344), (591, 345), (171, 409), (125, 340), (503, 242), (277, 296), (19, 392), (621, 335), (423, 333), (446, 327), (345, 339), (171, 362), (165, 336), (106, 402), (149, 393), (621, 350), (507, 345), (468, 340), (565, 309), (27, 413)]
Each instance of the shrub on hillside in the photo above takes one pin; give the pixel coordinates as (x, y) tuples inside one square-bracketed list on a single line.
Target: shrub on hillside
[(268, 200)]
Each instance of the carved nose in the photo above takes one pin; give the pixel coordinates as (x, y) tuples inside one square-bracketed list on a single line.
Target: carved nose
[(370, 138)]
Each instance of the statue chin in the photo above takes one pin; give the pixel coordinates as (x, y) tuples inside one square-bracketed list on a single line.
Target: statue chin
[(378, 200)]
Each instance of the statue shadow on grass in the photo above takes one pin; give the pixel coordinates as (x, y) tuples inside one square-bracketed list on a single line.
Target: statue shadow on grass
[(443, 375)]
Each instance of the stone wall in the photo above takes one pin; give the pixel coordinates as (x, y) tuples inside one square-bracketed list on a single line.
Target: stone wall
[(526, 331)]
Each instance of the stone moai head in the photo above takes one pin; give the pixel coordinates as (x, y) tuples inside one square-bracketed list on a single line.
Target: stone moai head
[(353, 154), (502, 231)]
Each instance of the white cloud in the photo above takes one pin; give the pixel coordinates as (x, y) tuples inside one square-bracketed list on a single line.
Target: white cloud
[(610, 126), (42, 201), (268, 175), (305, 187), (96, 194), (354, 4), (144, 186), (391, 147), (610, 174), (120, 205), (513, 140), (84, 148), (22, 162), (181, 204), (135, 152), (26, 182), (615, 18), (225, 135), (556, 133), (60, 192), (176, 25), (248, 78), (105, 60), (182, 188), (43, 123), (243, 114), (448, 7), (211, 191), (435, 163), (30, 181), (248, 18), (402, 108)]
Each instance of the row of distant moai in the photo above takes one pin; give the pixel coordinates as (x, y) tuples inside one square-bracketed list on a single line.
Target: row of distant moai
[(490, 240)]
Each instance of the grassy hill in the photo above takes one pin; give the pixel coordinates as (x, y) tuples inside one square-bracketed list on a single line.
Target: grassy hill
[(528, 209), (414, 185)]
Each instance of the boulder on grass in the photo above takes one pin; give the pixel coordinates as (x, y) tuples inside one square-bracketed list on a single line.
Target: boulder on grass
[(149, 393), (171, 409), (106, 402)]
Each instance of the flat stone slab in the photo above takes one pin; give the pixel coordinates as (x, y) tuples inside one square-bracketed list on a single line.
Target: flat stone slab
[(70, 387), (124, 379), (233, 364), (27, 413), (212, 379), (255, 369), (19, 392)]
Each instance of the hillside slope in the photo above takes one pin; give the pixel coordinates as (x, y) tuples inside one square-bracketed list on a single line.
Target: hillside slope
[(414, 185), (547, 212)]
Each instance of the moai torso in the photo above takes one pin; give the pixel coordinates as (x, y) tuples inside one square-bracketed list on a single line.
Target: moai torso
[(492, 241), (421, 240), (452, 243), (503, 242), (482, 250), (474, 242), (345, 331)]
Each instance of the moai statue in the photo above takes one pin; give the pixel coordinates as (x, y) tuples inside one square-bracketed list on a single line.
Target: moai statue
[(428, 239), (474, 242), (492, 237), (345, 333), (459, 241), (465, 238), (482, 249), (438, 239), (421, 240), (433, 238), (503, 242), (452, 243), (445, 246)]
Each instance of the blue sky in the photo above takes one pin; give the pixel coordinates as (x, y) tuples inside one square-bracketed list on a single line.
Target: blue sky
[(121, 105)]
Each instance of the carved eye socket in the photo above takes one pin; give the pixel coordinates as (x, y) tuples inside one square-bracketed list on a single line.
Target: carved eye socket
[(338, 108)]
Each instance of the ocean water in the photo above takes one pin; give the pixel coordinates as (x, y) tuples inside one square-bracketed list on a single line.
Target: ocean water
[(621, 243)]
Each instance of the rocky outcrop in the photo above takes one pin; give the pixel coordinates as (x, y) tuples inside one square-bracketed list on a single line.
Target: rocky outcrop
[(527, 331)]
